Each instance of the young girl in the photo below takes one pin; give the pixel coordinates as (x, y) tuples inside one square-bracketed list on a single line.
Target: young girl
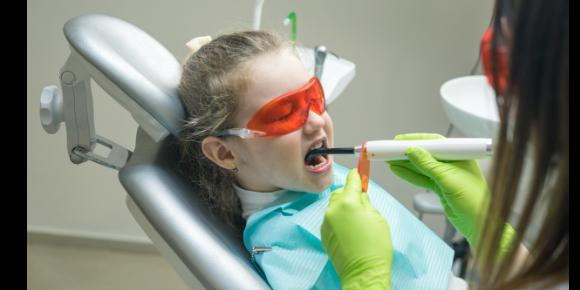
[(254, 112), (223, 85)]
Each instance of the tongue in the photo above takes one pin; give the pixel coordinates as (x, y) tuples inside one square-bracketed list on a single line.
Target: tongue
[(313, 153), (316, 160)]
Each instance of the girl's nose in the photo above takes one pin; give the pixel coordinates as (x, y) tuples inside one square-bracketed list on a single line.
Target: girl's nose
[(313, 123)]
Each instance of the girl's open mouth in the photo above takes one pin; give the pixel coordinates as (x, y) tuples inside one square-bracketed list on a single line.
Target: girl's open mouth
[(319, 163)]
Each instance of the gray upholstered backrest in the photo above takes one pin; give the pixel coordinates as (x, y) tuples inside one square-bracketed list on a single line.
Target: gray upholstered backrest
[(142, 70), (172, 206)]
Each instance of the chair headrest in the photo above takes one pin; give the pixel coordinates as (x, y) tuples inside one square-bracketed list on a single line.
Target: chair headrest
[(134, 61)]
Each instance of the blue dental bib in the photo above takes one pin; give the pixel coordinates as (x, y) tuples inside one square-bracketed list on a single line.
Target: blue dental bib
[(297, 259)]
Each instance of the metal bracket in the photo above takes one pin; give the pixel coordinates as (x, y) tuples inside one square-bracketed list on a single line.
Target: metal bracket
[(257, 250), (116, 159), (75, 107), (78, 107)]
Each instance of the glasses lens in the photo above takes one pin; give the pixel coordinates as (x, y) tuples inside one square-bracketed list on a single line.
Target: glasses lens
[(289, 113), (315, 95)]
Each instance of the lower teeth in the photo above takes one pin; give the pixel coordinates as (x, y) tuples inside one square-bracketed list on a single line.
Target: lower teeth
[(321, 161)]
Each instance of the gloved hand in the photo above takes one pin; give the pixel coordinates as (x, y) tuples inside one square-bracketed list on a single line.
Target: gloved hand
[(460, 185), (357, 238)]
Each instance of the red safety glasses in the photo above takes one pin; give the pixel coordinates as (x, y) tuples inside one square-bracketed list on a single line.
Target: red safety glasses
[(284, 114)]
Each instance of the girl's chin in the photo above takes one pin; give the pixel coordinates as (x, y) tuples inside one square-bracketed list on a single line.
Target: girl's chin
[(322, 183)]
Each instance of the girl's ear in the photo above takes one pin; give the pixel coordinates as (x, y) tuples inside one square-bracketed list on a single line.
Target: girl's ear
[(218, 151)]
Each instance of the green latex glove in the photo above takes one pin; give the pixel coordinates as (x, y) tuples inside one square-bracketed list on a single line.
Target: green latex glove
[(460, 185), (357, 238)]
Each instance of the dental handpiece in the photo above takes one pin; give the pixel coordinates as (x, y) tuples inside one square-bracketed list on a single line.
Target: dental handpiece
[(442, 149)]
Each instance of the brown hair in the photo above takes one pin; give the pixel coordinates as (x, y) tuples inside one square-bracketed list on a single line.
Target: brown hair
[(213, 79), (534, 121)]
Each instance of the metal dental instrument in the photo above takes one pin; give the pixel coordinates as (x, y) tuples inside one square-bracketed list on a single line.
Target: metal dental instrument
[(319, 57), (442, 149)]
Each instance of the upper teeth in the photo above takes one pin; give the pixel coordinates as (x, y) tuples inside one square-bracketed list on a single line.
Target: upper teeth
[(317, 145)]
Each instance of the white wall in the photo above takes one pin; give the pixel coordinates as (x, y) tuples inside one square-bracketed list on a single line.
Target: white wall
[(404, 51)]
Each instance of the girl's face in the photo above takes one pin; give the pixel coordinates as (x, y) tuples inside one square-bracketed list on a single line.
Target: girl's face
[(272, 163)]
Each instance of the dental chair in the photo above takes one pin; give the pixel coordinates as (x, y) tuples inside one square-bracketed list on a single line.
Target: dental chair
[(142, 76)]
